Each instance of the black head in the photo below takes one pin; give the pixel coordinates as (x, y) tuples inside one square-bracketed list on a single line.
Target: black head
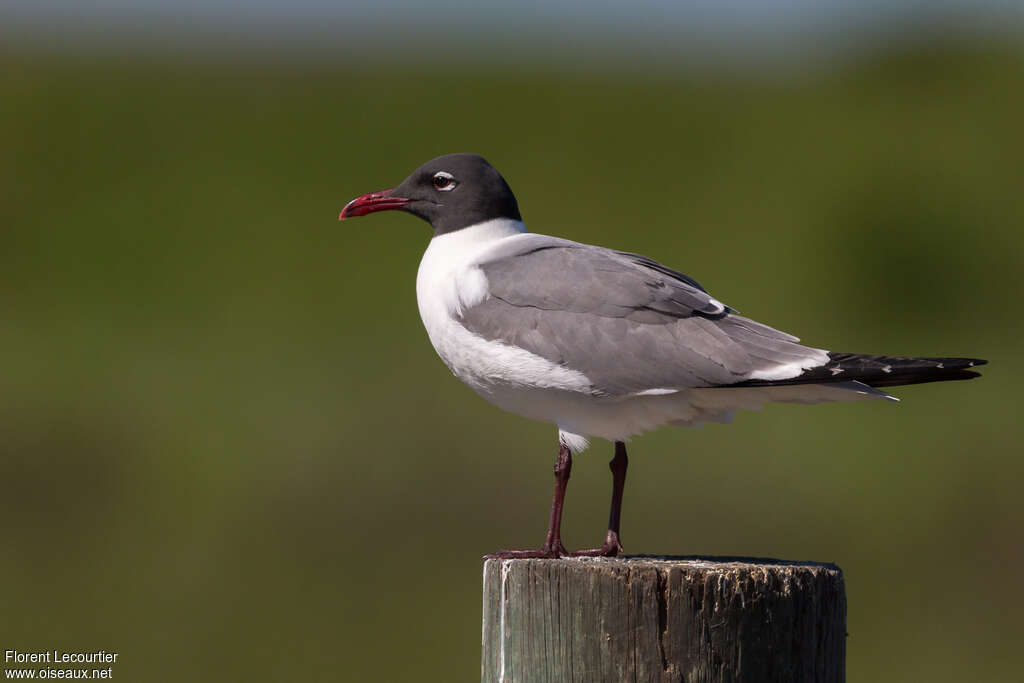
[(450, 192)]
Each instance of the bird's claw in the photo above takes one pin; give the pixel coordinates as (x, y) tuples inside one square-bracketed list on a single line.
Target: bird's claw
[(610, 548), (546, 552)]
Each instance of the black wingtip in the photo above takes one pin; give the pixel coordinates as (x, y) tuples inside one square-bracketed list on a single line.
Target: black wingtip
[(888, 371), (883, 371)]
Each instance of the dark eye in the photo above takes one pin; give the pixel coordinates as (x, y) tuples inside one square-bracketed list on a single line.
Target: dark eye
[(444, 181)]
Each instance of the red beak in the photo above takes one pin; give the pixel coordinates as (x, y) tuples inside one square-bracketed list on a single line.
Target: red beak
[(374, 201)]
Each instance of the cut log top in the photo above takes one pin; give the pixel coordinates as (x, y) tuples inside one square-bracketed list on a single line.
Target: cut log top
[(647, 618)]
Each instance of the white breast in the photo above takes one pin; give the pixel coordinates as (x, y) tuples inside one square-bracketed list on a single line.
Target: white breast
[(448, 282)]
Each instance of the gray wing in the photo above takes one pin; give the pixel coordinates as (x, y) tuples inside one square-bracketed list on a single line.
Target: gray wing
[(630, 324)]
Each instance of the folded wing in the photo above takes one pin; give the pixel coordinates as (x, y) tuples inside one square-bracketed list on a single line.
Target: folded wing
[(630, 324)]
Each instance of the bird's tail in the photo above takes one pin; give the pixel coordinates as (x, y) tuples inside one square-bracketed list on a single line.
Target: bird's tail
[(882, 371)]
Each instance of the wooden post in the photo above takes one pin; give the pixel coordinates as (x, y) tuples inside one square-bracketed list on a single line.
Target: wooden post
[(663, 619)]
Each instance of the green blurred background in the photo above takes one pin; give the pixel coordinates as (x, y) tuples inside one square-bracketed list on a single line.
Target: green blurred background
[(228, 450)]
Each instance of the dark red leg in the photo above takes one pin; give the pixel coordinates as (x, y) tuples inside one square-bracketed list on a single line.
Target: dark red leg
[(611, 546), (553, 542)]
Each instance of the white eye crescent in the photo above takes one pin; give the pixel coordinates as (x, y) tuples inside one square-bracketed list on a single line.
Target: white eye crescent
[(444, 181)]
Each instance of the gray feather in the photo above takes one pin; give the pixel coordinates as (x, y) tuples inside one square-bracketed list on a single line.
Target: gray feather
[(626, 322)]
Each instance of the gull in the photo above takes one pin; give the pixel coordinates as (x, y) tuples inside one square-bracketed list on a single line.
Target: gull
[(599, 342)]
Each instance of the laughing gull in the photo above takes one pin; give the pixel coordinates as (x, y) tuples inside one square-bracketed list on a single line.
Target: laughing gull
[(599, 342)]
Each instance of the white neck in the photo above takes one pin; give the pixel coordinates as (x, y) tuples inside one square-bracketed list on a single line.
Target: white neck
[(448, 277), (479, 233)]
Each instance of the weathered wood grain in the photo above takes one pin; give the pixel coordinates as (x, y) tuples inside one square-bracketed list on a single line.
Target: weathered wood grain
[(663, 619)]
